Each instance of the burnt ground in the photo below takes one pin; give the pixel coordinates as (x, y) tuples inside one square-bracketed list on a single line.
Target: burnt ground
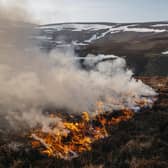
[(141, 142)]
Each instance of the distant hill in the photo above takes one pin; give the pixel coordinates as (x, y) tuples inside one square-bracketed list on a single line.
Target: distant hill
[(144, 45)]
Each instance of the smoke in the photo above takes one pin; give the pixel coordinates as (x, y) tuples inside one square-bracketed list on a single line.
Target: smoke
[(19, 63), (31, 80), (35, 11), (15, 10)]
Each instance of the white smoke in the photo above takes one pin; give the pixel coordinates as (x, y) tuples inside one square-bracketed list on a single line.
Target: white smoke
[(31, 80), (57, 80)]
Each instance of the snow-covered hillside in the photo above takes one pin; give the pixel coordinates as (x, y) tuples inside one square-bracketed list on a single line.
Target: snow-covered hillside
[(85, 33), (143, 45)]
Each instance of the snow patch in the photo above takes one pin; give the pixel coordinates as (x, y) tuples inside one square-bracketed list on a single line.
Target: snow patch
[(94, 37), (77, 27), (105, 29), (165, 52), (160, 25)]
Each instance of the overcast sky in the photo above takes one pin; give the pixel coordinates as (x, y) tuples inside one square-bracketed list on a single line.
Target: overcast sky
[(50, 11)]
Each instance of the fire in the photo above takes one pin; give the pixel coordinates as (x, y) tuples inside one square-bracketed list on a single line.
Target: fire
[(127, 114), (80, 135), (79, 138)]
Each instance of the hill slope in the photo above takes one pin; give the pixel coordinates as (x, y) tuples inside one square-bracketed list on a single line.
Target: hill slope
[(144, 45)]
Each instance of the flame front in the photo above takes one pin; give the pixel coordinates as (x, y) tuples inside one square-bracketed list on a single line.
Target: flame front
[(80, 135)]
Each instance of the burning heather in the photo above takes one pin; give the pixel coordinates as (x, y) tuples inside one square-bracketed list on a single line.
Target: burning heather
[(79, 135)]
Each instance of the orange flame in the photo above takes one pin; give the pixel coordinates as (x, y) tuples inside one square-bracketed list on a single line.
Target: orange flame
[(79, 138), (80, 135)]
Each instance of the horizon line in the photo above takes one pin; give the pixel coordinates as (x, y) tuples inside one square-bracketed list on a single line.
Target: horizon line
[(101, 22)]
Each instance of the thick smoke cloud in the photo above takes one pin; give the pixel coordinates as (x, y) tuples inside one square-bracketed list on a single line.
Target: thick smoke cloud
[(15, 10), (31, 80), (19, 62), (36, 11)]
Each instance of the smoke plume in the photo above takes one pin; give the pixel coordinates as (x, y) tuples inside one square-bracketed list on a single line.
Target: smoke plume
[(31, 80)]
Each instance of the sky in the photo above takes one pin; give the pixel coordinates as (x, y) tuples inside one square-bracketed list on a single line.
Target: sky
[(54, 11)]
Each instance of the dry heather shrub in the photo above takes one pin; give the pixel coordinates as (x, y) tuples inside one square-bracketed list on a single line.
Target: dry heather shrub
[(144, 163)]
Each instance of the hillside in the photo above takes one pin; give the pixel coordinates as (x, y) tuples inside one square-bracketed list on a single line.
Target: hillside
[(144, 45)]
